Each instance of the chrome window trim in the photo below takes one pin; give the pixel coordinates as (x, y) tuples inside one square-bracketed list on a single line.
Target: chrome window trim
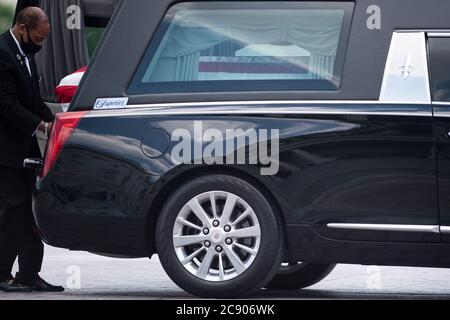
[(438, 34), (270, 102), (254, 112), (445, 229), (441, 109), (386, 227), (441, 103), (423, 30), (291, 107)]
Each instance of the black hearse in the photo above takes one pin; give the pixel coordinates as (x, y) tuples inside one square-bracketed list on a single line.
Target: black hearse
[(256, 144)]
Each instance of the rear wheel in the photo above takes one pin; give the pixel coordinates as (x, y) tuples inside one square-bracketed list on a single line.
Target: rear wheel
[(298, 275), (217, 236)]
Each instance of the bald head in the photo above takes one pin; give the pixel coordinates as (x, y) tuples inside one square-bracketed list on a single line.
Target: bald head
[(32, 17), (32, 27)]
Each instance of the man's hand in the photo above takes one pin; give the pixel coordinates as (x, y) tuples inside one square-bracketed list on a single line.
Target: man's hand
[(45, 127), (41, 126)]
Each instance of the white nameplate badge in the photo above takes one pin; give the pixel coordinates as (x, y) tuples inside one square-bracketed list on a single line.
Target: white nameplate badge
[(110, 103)]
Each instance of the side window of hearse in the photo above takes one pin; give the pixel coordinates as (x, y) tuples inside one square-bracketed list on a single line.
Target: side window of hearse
[(439, 49), (228, 46)]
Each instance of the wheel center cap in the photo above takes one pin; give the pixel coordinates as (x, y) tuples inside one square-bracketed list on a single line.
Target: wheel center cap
[(217, 236)]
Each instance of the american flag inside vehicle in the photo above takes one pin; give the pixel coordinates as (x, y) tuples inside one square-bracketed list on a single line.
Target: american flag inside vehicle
[(256, 67)]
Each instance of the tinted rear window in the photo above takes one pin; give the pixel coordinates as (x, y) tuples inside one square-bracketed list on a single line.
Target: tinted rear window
[(226, 46)]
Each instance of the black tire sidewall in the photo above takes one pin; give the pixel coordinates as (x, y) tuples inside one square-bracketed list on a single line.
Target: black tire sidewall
[(267, 261), (306, 276)]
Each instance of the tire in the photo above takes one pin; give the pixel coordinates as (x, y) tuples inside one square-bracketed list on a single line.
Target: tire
[(201, 275), (299, 275)]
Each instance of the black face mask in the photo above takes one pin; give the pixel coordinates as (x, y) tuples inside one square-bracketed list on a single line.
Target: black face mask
[(29, 47)]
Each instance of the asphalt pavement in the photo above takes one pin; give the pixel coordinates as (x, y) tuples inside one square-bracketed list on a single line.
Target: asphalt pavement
[(89, 276)]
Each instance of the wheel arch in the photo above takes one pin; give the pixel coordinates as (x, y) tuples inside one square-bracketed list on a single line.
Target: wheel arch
[(170, 186)]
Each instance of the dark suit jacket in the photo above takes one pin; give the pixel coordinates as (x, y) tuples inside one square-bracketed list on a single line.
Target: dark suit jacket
[(21, 106)]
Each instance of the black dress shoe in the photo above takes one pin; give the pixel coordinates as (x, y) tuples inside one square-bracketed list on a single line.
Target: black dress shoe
[(10, 286), (38, 284)]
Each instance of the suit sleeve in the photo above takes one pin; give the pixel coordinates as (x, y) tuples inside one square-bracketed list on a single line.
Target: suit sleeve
[(11, 109), (43, 110)]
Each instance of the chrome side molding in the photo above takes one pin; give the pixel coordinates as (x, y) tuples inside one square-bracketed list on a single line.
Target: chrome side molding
[(386, 227)]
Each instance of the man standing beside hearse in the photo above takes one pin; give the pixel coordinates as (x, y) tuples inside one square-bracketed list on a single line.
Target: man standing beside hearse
[(22, 114)]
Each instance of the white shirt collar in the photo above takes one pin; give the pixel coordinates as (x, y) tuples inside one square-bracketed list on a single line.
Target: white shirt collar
[(17, 43)]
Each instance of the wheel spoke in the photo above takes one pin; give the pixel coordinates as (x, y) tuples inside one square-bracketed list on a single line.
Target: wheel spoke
[(203, 270), (247, 249), (189, 224), (192, 255), (245, 232), (244, 215), (201, 214), (221, 268), (228, 208), (235, 260), (212, 198), (182, 241)]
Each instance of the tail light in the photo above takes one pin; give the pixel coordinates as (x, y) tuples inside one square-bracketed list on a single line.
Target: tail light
[(63, 127)]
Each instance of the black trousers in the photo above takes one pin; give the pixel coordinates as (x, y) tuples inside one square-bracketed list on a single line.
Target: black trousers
[(19, 236)]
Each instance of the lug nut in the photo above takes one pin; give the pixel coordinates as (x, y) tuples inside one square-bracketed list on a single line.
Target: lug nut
[(216, 223), (207, 244), (205, 231), (219, 249), (227, 228), (228, 241)]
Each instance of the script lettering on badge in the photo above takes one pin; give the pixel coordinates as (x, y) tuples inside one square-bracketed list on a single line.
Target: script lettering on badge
[(110, 103)]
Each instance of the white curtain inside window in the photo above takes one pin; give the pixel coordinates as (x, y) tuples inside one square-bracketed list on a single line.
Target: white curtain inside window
[(193, 31)]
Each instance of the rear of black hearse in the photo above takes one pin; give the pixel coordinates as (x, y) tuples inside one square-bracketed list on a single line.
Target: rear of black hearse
[(364, 152)]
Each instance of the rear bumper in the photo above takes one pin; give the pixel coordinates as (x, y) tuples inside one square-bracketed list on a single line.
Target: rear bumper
[(62, 226)]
